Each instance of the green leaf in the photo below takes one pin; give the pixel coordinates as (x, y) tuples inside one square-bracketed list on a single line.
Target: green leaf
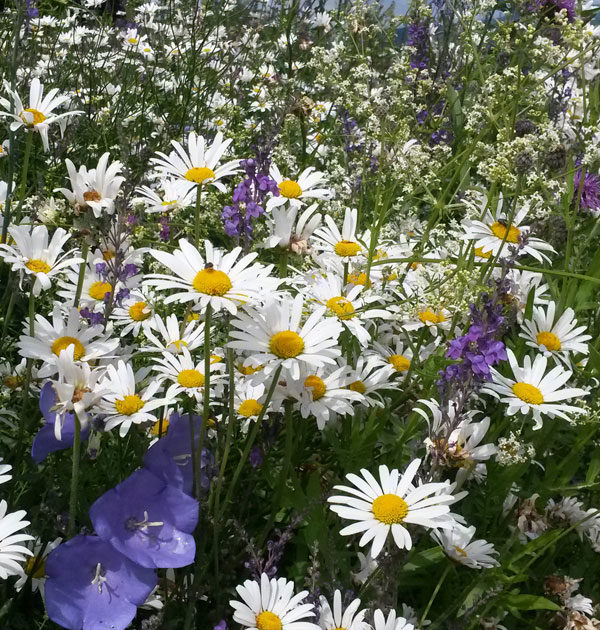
[(594, 467), (520, 601), (424, 559)]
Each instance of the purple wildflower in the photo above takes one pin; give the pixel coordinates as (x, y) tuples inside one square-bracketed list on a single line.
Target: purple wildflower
[(590, 191), (256, 457), (94, 318), (165, 228)]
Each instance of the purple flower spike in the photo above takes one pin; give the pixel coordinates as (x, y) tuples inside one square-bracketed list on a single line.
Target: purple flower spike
[(148, 521), (91, 586)]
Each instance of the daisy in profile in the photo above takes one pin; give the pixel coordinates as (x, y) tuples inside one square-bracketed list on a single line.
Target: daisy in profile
[(343, 244), (40, 113), (287, 233), (335, 618), (393, 622), (522, 284), (89, 342), (388, 505), (167, 335), (272, 605), (35, 254), (171, 194), (199, 165), (459, 546), (122, 402), (275, 336), (218, 279), (533, 391), (555, 338), (12, 553), (35, 567), (497, 235), (295, 192), (96, 188)]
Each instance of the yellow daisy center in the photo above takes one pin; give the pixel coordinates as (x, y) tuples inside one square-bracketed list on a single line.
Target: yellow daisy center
[(168, 203), (400, 362), (479, 252), (347, 248), (91, 195), (136, 312), (250, 407), (248, 369), (290, 189), (132, 40), (160, 428), (286, 344), (390, 509), (499, 230), (215, 358), (62, 343), (267, 620), (38, 117), (190, 378), (528, 393), (199, 174), (99, 289), (108, 254), (358, 386), (129, 405), (37, 265), (548, 339), (318, 386), (179, 343), (212, 282), (430, 317), (36, 567), (357, 278), (461, 551), (341, 307)]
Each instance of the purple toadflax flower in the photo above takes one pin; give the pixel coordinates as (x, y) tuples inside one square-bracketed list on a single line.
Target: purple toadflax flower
[(148, 521), (90, 585), (590, 191)]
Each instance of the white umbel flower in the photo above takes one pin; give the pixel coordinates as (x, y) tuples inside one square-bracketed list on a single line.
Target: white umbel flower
[(381, 507), (333, 618), (271, 605), (533, 391), (12, 554), (459, 545)]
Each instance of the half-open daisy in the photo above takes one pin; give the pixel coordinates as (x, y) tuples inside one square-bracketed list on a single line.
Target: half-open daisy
[(533, 391), (295, 191), (289, 234), (171, 194), (334, 618), (168, 336), (392, 622), (387, 506), (459, 545)]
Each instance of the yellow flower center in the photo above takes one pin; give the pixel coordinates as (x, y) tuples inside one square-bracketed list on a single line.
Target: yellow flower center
[(479, 252), (267, 620), (132, 40), (347, 248), (461, 551), (548, 339), (430, 317), (190, 378), (38, 117), (400, 362), (215, 358), (108, 254), (91, 195), (528, 393), (129, 405), (390, 509), (193, 317), (160, 428), (249, 408), (499, 230), (354, 277), (199, 174), (212, 282), (136, 312), (358, 386), (341, 307), (290, 189), (99, 289), (62, 343), (318, 386), (179, 343), (248, 369), (36, 567), (11, 381), (37, 265), (168, 203), (286, 344)]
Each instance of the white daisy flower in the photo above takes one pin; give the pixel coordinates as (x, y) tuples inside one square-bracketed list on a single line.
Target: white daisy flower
[(135, 314), (40, 113), (4, 472), (35, 255), (220, 280), (533, 391), (395, 354), (333, 618), (459, 545), (168, 336), (199, 164), (391, 623), (289, 234), (249, 399), (370, 376), (295, 192), (522, 283), (275, 335), (435, 319), (555, 338), (343, 244), (89, 342), (271, 605), (175, 195), (96, 188), (381, 508), (35, 567), (12, 554), (121, 402)]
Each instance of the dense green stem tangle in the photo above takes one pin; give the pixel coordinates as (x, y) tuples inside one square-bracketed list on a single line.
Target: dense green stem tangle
[(84, 254), (74, 475)]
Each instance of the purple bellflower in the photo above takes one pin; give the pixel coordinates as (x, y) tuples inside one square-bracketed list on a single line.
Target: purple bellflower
[(91, 586), (148, 521)]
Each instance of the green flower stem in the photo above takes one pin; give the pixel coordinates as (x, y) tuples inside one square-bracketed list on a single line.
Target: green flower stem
[(74, 475), (84, 253), (434, 594)]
